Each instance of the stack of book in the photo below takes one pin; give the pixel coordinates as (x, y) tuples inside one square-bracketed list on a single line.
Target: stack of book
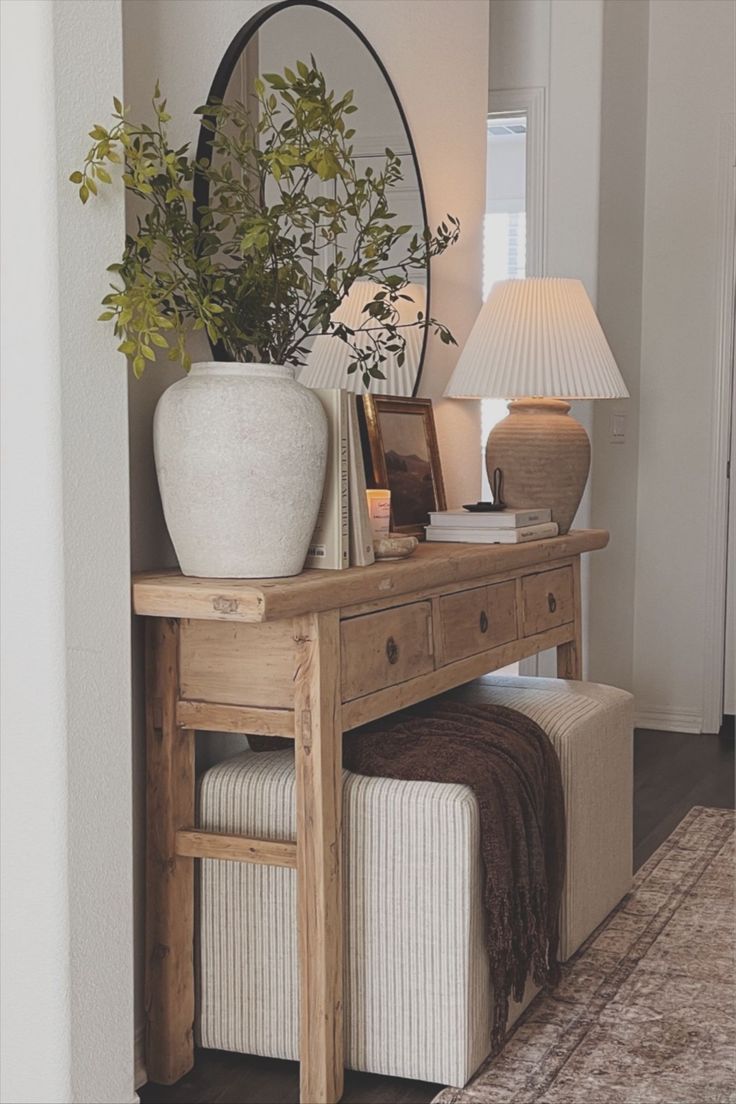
[(343, 535), (492, 527)]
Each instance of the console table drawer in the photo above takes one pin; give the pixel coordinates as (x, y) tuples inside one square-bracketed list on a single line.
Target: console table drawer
[(475, 620), (385, 648), (547, 600)]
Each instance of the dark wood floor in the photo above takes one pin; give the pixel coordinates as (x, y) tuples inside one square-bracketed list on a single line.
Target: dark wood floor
[(672, 773)]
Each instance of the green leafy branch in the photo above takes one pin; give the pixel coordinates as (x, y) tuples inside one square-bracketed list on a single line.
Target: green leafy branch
[(290, 224)]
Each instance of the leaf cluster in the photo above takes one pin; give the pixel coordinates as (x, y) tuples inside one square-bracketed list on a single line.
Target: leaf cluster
[(291, 222)]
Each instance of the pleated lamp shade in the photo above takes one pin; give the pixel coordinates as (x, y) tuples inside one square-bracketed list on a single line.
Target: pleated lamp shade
[(329, 357), (537, 337)]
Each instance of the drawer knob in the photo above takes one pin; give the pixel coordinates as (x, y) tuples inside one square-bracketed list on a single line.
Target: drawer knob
[(483, 621), (392, 650), (551, 602)]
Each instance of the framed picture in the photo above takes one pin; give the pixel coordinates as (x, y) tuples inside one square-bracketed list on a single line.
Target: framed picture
[(402, 455)]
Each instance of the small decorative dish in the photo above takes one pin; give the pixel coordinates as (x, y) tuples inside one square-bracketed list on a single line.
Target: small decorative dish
[(394, 547)]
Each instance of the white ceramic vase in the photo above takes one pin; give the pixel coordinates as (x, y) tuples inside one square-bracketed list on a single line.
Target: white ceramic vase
[(240, 455)]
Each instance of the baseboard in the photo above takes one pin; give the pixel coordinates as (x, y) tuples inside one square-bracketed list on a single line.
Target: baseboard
[(139, 1057), (669, 720)]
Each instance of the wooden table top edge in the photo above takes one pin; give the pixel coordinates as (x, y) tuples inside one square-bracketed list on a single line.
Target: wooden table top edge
[(170, 594)]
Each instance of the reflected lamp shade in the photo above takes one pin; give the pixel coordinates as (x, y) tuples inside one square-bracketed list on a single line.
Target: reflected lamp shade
[(329, 357), (538, 342)]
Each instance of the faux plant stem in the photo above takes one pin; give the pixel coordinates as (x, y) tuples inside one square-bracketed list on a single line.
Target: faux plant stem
[(261, 278)]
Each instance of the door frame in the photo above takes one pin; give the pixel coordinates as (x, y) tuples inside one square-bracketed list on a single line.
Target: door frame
[(714, 645)]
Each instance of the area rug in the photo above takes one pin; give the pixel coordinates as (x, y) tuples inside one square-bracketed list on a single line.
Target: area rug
[(646, 1010)]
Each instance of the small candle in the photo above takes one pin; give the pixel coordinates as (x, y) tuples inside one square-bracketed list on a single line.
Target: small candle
[(379, 508)]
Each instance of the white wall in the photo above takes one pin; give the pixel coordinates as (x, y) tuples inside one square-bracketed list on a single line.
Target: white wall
[(691, 87), (88, 41), (35, 923), (573, 180), (621, 232), (439, 67), (67, 984), (520, 38)]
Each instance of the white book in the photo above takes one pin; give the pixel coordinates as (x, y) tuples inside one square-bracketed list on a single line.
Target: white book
[(497, 519), (330, 544), (492, 536), (361, 530)]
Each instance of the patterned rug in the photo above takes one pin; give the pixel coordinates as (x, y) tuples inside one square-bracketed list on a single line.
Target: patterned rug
[(646, 1011)]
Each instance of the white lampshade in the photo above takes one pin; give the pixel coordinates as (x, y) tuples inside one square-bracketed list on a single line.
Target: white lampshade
[(329, 357), (537, 337)]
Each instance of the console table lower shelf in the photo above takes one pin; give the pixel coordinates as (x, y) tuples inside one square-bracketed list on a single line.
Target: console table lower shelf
[(308, 658)]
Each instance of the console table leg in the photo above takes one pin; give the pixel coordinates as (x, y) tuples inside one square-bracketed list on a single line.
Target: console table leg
[(169, 878), (570, 655), (318, 840)]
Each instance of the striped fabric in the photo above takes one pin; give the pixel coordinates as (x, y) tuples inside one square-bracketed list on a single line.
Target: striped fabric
[(417, 986), (591, 728)]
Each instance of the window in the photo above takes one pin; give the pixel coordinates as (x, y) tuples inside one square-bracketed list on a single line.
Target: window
[(504, 237), (504, 229)]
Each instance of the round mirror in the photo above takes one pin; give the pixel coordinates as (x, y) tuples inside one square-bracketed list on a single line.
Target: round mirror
[(291, 36)]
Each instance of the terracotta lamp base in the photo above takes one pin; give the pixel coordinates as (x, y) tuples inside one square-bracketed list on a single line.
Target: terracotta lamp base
[(544, 455)]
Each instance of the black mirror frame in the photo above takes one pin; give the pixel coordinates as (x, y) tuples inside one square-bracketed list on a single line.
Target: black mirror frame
[(216, 94)]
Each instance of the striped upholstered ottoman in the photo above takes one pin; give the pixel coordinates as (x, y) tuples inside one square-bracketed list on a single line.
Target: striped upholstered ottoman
[(417, 985)]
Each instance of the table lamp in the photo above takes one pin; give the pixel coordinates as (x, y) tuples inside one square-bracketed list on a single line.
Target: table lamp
[(538, 342), (328, 360)]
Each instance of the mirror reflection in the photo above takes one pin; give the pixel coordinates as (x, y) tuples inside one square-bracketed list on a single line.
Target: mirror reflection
[(303, 32)]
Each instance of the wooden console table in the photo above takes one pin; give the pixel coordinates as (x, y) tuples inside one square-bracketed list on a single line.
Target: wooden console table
[(307, 658)]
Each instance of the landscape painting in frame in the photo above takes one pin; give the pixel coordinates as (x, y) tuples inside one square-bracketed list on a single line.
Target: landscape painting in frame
[(404, 457)]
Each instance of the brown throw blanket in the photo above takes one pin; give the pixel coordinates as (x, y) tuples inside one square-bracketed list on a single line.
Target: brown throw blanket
[(511, 766), (509, 763)]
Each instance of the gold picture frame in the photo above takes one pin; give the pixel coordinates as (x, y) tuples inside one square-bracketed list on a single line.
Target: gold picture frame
[(402, 455)]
